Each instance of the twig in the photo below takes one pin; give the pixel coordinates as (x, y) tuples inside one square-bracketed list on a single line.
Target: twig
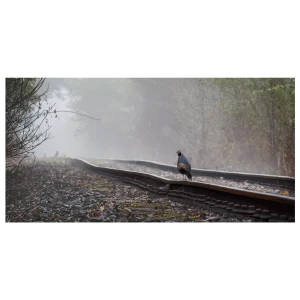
[(73, 112), (211, 218)]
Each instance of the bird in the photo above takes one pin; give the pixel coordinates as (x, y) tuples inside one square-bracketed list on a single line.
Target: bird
[(183, 165)]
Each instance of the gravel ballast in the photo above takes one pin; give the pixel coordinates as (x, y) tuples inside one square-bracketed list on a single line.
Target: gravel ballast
[(57, 191)]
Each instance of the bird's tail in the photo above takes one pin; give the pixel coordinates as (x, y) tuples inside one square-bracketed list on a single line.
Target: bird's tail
[(189, 176)]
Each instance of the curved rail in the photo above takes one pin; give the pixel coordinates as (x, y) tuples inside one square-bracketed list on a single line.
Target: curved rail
[(258, 178), (261, 205)]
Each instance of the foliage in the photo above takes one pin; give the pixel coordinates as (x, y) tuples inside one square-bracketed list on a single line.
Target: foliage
[(261, 117), (238, 124), (24, 118)]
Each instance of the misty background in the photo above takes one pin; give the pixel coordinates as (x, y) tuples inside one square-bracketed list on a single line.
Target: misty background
[(245, 125)]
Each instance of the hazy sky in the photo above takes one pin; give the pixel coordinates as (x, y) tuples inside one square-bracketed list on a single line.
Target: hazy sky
[(62, 130)]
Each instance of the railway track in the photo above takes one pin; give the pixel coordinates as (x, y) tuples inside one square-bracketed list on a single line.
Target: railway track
[(282, 182), (239, 203)]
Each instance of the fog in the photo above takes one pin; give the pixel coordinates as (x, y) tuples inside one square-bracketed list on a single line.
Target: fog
[(63, 128), (151, 119)]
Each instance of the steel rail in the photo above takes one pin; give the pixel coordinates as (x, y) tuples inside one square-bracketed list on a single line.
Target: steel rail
[(258, 178)]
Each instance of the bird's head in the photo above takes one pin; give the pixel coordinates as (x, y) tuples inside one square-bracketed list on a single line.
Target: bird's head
[(179, 152)]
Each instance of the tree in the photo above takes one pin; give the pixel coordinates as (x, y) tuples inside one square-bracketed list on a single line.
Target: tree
[(25, 115), (261, 120), (24, 118)]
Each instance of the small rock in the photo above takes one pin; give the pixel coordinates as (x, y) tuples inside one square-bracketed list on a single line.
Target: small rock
[(164, 188), (126, 211), (132, 218)]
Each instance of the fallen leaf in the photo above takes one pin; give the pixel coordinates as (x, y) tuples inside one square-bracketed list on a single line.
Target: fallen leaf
[(97, 213), (285, 192)]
